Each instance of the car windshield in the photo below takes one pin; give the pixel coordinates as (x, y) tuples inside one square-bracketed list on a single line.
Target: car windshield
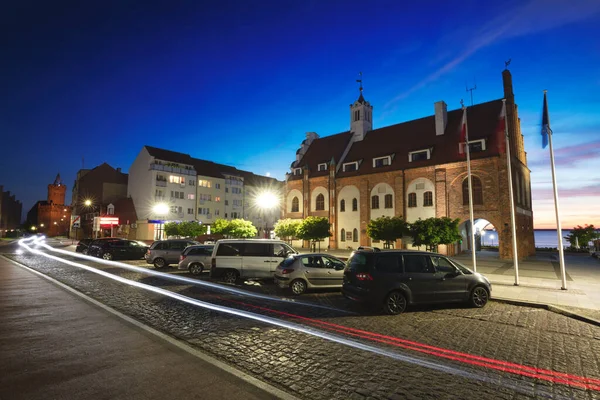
[(461, 267), (359, 262)]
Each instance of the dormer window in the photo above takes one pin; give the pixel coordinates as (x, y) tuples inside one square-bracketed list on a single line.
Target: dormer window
[(475, 146), (382, 161), (419, 155), (322, 167), (351, 166), (297, 171)]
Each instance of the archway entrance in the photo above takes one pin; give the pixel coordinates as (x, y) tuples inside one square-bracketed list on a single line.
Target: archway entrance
[(486, 236)]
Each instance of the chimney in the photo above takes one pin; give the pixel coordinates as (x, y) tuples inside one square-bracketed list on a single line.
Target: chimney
[(118, 169), (508, 86), (441, 117)]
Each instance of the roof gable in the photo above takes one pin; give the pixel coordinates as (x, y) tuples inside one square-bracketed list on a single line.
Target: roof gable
[(323, 150)]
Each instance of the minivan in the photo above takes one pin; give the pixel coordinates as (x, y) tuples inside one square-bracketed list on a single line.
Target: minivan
[(165, 252), (394, 279), (233, 259)]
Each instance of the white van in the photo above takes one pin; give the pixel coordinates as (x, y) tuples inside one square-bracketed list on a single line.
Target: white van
[(247, 258)]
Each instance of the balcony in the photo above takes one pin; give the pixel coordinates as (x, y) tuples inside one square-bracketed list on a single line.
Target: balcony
[(160, 198), (175, 170), (161, 183)]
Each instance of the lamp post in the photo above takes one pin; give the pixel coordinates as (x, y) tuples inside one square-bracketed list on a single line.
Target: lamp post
[(90, 204), (160, 209), (266, 201)]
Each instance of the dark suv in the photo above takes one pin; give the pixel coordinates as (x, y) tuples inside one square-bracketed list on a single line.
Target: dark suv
[(393, 279), (116, 248)]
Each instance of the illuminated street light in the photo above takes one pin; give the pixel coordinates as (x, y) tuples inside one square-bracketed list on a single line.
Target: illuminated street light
[(87, 203), (33, 228), (41, 225), (266, 200), (160, 209)]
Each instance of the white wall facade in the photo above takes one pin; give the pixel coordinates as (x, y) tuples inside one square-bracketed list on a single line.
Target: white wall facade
[(234, 197), (381, 190), (313, 198), (210, 199), (420, 186), (348, 220), (290, 197)]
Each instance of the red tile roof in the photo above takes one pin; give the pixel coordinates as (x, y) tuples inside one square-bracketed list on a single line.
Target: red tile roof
[(400, 139)]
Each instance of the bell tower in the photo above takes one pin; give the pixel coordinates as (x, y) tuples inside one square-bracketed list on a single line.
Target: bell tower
[(361, 113), (57, 191)]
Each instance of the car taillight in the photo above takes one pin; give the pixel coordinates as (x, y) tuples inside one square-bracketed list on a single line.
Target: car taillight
[(148, 251), (287, 271), (181, 257), (363, 276)]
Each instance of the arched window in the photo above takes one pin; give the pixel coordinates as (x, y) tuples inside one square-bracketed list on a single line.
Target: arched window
[(295, 204), (320, 205), (355, 235), (389, 201), (428, 199), (343, 235), (375, 202), (354, 205), (477, 190), (342, 205), (412, 199)]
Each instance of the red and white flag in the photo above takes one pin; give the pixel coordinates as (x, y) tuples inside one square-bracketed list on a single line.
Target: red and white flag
[(462, 143), (501, 131)]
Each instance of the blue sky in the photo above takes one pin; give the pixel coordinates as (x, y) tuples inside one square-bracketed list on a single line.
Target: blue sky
[(240, 83)]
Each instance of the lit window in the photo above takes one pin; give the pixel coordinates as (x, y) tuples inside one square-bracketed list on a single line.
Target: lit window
[(191, 196), (217, 198), (176, 179)]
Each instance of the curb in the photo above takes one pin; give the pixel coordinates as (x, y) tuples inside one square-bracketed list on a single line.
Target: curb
[(548, 307), (272, 390)]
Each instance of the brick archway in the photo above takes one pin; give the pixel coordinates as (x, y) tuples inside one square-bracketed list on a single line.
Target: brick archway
[(481, 224)]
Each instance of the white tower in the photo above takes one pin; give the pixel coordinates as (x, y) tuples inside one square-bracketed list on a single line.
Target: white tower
[(361, 114)]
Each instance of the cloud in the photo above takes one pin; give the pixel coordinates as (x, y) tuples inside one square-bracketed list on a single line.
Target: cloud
[(571, 155), (548, 193), (532, 17)]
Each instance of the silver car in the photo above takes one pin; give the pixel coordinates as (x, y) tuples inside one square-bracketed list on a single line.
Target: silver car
[(309, 271), (196, 259), (165, 252)]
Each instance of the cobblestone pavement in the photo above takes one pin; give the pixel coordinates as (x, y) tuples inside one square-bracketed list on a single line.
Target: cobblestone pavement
[(316, 368)]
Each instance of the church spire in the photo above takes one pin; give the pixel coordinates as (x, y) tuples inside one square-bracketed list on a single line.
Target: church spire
[(360, 114), (361, 99), (58, 181)]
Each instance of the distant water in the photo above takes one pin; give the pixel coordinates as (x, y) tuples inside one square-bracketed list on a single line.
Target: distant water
[(549, 238)]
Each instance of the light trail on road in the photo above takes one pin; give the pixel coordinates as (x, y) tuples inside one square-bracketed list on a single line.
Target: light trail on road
[(504, 366), (498, 380), (190, 281)]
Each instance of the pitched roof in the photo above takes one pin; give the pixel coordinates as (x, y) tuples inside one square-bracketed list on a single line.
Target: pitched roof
[(169, 155), (322, 150), (105, 173)]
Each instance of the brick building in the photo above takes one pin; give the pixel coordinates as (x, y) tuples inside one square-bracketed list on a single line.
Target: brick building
[(415, 170), (52, 216), (10, 212)]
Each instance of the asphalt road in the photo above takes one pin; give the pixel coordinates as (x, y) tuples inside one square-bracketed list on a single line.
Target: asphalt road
[(334, 350)]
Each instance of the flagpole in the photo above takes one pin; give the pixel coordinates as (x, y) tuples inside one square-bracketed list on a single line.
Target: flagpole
[(473, 255), (510, 193), (561, 254)]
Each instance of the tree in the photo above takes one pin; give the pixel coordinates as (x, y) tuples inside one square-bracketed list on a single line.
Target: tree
[(191, 229), (240, 228), (432, 232), (314, 229), (172, 229), (582, 236), (222, 226), (287, 229), (387, 229)]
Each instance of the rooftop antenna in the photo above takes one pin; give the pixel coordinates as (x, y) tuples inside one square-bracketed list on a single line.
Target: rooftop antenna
[(360, 82), (471, 90)]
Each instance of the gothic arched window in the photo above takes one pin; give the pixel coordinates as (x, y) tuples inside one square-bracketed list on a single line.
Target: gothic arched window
[(320, 203), (477, 191), (343, 235), (354, 205), (342, 205), (295, 204)]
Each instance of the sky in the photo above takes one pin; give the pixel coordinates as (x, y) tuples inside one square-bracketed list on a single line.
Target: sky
[(239, 82)]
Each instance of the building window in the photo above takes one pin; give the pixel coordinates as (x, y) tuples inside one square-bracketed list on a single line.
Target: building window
[(190, 210), (355, 235), (320, 203), (412, 199), (477, 191), (191, 182), (389, 201), (217, 186), (474, 146), (173, 209), (342, 205), (177, 179), (375, 202), (354, 205), (226, 202), (419, 155), (322, 167), (357, 115), (204, 183), (343, 235), (191, 196), (295, 205), (217, 212), (217, 198), (349, 167), (428, 199), (382, 161), (297, 171)]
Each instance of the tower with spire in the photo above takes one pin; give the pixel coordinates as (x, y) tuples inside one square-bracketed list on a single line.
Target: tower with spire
[(361, 113), (57, 191)]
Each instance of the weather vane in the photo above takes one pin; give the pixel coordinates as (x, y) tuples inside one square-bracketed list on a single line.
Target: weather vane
[(360, 82), (507, 63), (462, 103)]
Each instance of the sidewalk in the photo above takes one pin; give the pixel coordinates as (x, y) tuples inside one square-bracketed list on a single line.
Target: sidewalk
[(54, 345)]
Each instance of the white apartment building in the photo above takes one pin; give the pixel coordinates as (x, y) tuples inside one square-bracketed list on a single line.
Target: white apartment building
[(169, 186)]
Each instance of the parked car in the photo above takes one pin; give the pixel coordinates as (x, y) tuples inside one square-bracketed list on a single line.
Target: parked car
[(247, 258), (162, 253), (196, 259), (116, 248), (300, 272), (83, 245), (394, 279)]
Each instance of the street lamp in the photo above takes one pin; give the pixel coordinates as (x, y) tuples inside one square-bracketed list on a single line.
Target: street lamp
[(267, 201), (160, 209)]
